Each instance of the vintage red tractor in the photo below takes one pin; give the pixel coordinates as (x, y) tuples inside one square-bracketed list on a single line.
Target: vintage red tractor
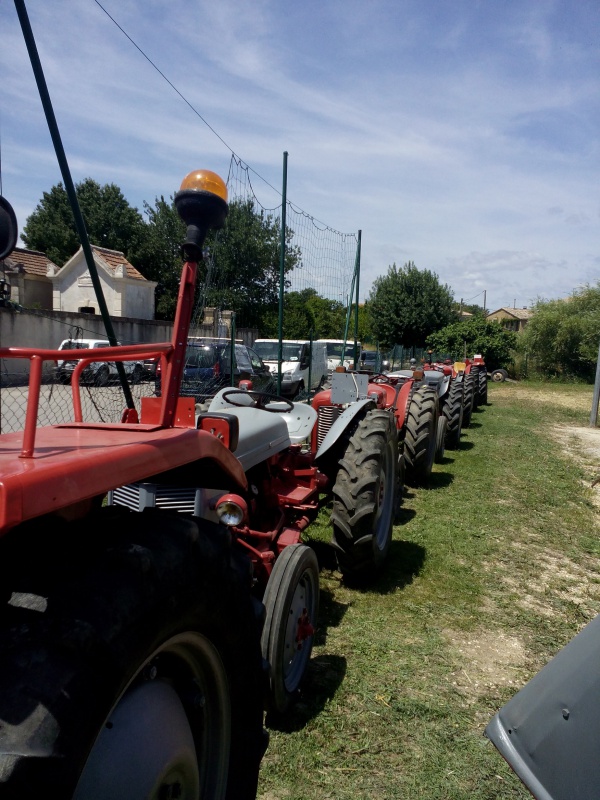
[(290, 473), (413, 407), (130, 643)]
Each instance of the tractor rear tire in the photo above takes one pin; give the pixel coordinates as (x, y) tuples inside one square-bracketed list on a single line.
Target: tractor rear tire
[(475, 376), (292, 605), (468, 400), (420, 436), (483, 386), (440, 438), (498, 375), (453, 411), (130, 662), (366, 495)]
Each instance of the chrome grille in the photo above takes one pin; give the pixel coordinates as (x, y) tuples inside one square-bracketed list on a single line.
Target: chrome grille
[(327, 416), (138, 496)]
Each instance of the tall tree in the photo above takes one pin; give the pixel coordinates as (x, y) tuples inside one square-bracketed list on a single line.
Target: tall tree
[(475, 335), (563, 335), (407, 305), (160, 256), (109, 219), (246, 272)]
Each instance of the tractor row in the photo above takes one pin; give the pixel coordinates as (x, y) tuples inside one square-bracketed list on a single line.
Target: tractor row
[(351, 449), (145, 636)]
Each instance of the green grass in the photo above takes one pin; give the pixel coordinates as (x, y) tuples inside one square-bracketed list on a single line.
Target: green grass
[(492, 570)]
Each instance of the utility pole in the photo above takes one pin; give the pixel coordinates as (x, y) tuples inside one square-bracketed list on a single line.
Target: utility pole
[(484, 297), (460, 308)]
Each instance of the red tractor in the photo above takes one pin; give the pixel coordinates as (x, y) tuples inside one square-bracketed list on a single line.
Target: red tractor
[(412, 406), (475, 380), (130, 655), (290, 473)]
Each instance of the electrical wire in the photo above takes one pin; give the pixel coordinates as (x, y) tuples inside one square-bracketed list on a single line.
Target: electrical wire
[(197, 113)]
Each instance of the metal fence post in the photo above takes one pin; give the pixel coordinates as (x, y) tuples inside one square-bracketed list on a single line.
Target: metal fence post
[(596, 398)]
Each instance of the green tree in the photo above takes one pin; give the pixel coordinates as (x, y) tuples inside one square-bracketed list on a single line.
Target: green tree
[(407, 305), (245, 276), (160, 255), (109, 219), (563, 335), (475, 335)]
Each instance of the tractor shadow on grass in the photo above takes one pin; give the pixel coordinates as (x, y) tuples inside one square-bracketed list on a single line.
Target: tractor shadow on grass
[(324, 675), (440, 480), (403, 565)]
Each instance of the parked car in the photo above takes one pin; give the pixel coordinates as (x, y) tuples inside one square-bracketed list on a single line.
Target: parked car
[(208, 368), (100, 373), (373, 361)]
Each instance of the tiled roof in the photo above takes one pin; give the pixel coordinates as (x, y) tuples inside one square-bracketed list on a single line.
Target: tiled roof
[(30, 261), (114, 259), (517, 313)]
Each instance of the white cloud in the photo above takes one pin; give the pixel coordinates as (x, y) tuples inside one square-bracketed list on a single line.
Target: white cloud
[(465, 141)]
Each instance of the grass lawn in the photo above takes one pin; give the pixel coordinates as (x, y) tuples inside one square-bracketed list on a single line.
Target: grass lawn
[(492, 570)]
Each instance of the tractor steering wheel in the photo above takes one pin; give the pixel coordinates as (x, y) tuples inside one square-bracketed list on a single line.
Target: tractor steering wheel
[(262, 400), (379, 377)]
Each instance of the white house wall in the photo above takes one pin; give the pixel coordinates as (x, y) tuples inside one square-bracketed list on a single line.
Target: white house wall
[(125, 297)]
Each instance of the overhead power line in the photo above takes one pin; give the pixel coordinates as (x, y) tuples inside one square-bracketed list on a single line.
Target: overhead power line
[(191, 107)]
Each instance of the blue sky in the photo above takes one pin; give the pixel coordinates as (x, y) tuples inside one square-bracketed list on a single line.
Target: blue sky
[(463, 136)]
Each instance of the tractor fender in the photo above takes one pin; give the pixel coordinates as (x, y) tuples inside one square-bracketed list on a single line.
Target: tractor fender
[(342, 423), (445, 385), (402, 402)]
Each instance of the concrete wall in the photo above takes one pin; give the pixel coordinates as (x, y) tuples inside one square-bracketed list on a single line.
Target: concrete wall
[(42, 330), (38, 329)]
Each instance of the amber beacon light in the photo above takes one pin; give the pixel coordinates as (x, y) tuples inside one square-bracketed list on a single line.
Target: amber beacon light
[(201, 202)]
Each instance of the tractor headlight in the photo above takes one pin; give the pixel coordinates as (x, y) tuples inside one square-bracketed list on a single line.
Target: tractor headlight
[(231, 509)]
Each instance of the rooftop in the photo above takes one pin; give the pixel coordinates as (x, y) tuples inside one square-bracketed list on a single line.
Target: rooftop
[(30, 261)]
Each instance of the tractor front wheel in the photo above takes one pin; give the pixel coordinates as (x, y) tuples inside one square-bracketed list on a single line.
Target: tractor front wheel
[(440, 438), (365, 496), (291, 601)]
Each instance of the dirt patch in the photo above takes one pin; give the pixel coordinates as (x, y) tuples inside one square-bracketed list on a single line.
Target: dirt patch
[(560, 578), (582, 445), (490, 659)]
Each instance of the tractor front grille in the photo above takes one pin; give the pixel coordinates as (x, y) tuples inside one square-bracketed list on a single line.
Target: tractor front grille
[(327, 416), (185, 500)]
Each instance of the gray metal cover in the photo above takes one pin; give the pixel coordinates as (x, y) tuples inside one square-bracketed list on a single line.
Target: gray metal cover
[(348, 387), (549, 732)]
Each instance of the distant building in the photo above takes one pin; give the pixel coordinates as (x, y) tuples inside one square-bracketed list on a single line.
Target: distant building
[(126, 291), (513, 319), (26, 272)]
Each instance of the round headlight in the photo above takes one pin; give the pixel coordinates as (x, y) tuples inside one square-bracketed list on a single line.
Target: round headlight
[(231, 509)]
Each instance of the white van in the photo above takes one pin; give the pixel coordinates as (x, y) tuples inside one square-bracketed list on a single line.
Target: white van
[(334, 349), (297, 360)]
